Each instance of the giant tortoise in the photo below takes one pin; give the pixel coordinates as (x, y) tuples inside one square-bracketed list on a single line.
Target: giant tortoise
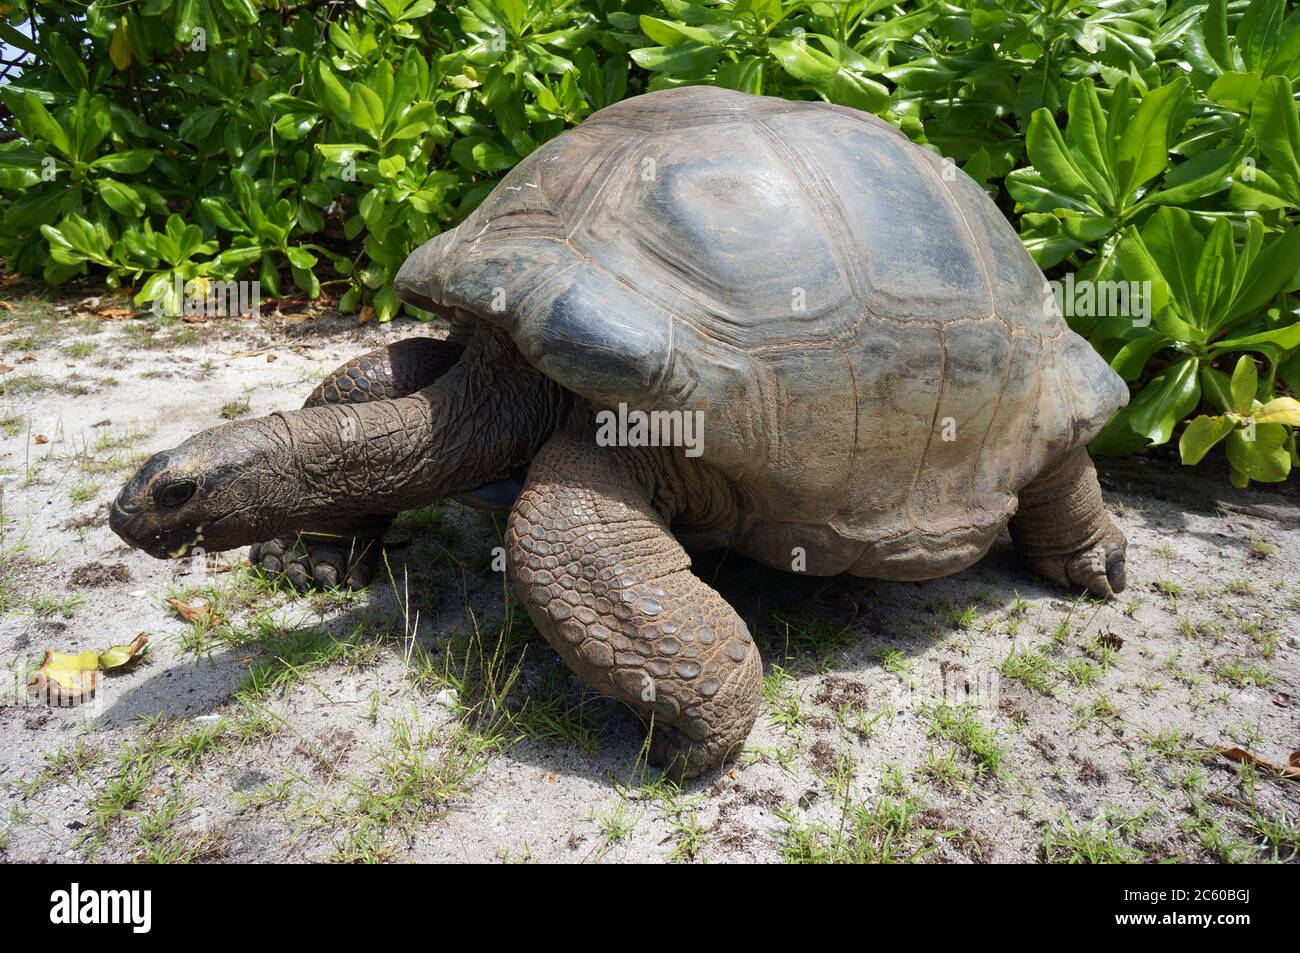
[(876, 374)]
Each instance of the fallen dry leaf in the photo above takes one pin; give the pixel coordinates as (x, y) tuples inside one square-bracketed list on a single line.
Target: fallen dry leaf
[(365, 314), (6, 305), (42, 439), (1282, 699), (205, 615), (183, 610), (115, 314), (5, 368), (1290, 770), (195, 318), (270, 358)]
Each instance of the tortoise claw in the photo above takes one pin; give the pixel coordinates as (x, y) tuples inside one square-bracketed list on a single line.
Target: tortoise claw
[(1099, 568), (316, 562)]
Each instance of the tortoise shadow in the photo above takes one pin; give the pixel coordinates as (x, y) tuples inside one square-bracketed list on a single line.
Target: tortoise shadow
[(844, 624)]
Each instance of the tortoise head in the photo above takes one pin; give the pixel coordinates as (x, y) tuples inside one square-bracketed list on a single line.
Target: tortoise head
[(220, 489)]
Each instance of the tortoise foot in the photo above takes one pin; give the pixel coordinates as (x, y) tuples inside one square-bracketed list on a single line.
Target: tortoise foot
[(1098, 568), (306, 561), (683, 758)]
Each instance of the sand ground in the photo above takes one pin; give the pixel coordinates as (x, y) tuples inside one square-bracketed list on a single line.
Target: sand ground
[(983, 717)]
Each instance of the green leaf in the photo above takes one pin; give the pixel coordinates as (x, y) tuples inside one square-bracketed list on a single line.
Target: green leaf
[(417, 121), (1051, 157), (1035, 191), (1214, 274), (1117, 437), (1276, 124), (1143, 150), (36, 122), (129, 162), (745, 75), (300, 258), (234, 260), (1265, 458), (1202, 175), (1283, 339), (1216, 35), (1085, 137), (1245, 382), (1165, 401), (224, 215), (847, 88), (686, 59), (1132, 358), (1254, 189), (367, 109), (1139, 262), (1202, 434), (334, 94), (120, 197), (1173, 247), (1272, 271), (668, 33), (481, 155), (342, 152), (1045, 238), (1235, 90)]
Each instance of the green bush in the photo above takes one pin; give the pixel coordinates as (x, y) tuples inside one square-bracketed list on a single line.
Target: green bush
[(165, 142)]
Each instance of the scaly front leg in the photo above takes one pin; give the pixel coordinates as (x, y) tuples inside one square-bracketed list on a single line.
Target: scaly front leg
[(611, 589)]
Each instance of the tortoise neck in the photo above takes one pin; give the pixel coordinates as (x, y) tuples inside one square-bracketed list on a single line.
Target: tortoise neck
[(483, 419)]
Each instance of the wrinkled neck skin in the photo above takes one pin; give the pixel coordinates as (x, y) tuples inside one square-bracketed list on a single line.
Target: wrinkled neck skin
[(483, 419)]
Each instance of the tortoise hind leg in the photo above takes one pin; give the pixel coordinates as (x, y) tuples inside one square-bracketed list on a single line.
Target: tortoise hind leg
[(349, 557), (1062, 529), (612, 591)]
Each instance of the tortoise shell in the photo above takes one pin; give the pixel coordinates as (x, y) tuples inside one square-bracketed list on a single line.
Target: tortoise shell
[(876, 356)]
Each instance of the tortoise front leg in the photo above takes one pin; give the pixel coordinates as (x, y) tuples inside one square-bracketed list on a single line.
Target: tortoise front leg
[(610, 588), (1063, 532), (395, 370)]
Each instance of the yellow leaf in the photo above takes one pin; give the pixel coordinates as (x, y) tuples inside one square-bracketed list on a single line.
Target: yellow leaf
[(67, 677), (119, 50), (1280, 410)]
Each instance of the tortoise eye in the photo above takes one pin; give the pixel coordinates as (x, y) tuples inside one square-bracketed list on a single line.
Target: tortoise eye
[(176, 494)]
